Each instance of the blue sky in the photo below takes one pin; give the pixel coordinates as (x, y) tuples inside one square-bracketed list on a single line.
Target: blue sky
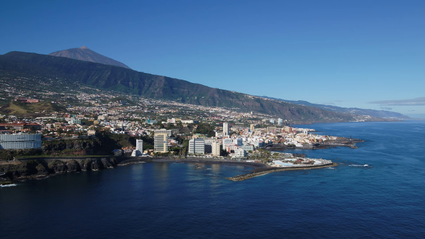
[(366, 54)]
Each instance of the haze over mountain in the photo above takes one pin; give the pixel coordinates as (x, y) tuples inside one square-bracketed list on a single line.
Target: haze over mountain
[(85, 54), (373, 113)]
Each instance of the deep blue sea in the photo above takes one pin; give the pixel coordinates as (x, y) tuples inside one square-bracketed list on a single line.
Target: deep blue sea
[(175, 200)]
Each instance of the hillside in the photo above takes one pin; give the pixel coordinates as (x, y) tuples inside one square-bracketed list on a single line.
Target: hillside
[(85, 54), (158, 87), (35, 109)]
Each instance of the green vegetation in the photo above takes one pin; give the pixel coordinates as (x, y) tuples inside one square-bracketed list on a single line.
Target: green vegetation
[(10, 154), (87, 122), (148, 142), (23, 109), (263, 155), (115, 141), (184, 148), (206, 129)]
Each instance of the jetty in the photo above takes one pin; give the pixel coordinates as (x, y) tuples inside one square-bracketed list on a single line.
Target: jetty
[(261, 172)]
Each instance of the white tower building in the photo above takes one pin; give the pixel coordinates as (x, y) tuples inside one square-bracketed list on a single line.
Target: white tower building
[(139, 148), (197, 146), (139, 145), (225, 128), (279, 121)]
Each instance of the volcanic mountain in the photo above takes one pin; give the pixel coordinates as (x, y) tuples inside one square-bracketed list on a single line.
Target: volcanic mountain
[(107, 77), (85, 54)]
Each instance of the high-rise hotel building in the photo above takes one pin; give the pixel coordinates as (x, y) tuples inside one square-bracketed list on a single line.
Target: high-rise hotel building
[(161, 142), (225, 128)]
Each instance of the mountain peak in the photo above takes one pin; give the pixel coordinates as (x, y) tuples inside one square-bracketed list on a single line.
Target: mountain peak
[(85, 54)]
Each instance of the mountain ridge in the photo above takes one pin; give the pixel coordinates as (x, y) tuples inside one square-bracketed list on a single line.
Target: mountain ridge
[(159, 87)]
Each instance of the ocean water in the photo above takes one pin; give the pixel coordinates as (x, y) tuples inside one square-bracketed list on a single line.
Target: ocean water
[(175, 200)]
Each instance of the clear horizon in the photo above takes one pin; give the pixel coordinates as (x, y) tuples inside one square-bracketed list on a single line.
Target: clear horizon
[(364, 54)]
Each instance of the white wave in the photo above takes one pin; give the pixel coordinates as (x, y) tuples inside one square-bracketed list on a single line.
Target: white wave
[(358, 165), (8, 185)]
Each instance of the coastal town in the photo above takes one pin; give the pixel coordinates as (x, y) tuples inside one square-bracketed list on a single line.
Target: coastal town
[(146, 128)]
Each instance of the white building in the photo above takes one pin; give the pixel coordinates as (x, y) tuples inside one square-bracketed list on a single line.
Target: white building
[(279, 121), (227, 142), (225, 128), (139, 148), (197, 146), (238, 141), (216, 148), (139, 145), (247, 147), (161, 142), (189, 121), (166, 131), (20, 141), (239, 153)]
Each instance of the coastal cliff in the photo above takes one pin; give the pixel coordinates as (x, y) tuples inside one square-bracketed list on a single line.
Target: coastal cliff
[(39, 168), (43, 167)]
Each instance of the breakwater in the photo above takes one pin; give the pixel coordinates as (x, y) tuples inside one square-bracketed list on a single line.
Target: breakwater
[(341, 142), (261, 172)]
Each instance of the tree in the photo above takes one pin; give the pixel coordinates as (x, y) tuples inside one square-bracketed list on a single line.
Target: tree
[(206, 129), (185, 147)]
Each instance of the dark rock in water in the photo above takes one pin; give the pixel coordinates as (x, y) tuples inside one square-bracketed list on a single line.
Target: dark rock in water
[(73, 166), (58, 166), (95, 166), (108, 163), (42, 167), (41, 170), (86, 164)]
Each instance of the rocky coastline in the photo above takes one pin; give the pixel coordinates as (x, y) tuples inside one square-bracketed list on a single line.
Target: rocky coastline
[(44, 167), (41, 168)]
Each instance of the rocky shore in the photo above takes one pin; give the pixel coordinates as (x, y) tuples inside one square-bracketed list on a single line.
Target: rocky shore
[(40, 168)]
